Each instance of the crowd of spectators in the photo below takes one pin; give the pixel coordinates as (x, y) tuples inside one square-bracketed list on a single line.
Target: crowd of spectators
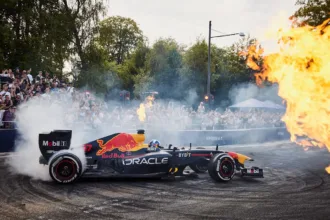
[(20, 86)]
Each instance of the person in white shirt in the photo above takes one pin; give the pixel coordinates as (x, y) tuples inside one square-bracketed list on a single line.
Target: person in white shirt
[(5, 91), (29, 75), (69, 88), (4, 73), (201, 107)]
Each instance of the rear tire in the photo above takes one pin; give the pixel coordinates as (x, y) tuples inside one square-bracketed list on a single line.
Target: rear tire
[(65, 167), (222, 167)]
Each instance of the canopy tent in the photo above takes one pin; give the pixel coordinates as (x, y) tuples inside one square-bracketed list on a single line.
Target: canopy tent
[(273, 105), (254, 103)]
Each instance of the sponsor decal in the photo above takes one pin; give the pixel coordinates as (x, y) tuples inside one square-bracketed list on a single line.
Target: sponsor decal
[(55, 143), (187, 154), (213, 138), (122, 142), (148, 161), (87, 147), (113, 155)]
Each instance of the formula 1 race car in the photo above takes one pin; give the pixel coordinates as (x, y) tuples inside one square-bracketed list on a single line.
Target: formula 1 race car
[(126, 155)]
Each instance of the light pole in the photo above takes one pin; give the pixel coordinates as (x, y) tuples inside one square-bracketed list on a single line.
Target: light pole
[(209, 56)]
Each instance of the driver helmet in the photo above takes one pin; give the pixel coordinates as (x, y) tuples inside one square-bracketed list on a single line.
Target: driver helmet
[(154, 144)]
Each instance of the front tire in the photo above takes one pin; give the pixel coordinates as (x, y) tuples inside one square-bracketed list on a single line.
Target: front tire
[(222, 167), (65, 167)]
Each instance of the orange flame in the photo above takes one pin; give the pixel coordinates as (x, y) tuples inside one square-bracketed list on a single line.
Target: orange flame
[(149, 100), (328, 169), (302, 70), (141, 111)]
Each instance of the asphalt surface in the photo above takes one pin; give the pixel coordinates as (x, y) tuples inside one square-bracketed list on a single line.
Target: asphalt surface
[(295, 186)]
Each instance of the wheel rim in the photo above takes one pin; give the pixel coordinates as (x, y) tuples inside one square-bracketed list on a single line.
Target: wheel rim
[(65, 169), (226, 168)]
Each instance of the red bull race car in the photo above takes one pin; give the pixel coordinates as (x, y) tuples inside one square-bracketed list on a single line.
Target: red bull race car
[(126, 155)]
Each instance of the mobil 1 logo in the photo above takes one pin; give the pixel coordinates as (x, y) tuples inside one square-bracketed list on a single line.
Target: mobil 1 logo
[(55, 143)]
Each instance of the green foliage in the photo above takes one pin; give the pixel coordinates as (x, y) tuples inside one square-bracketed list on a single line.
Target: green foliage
[(119, 37), (100, 80), (161, 71), (42, 34), (313, 12), (195, 61), (231, 68), (113, 53)]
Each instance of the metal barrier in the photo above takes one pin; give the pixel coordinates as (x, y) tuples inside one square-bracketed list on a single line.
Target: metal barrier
[(182, 137), (7, 125), (7, 139)]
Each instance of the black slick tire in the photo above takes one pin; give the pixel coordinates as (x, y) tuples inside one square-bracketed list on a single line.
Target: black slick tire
[(222, 167), (65, 167)]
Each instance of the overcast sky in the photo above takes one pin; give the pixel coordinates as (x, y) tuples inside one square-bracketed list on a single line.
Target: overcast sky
[(186, 20)]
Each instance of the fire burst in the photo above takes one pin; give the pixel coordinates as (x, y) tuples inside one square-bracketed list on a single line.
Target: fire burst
[(302, 70), (141, 111)]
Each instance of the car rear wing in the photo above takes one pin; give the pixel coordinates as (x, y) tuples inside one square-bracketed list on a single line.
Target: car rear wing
[(54, 141)]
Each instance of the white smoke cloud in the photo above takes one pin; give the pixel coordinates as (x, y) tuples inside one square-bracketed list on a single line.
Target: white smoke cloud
[(34, 117), (247, 91)]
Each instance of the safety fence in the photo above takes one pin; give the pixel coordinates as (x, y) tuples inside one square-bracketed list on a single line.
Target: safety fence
[(183, 137)]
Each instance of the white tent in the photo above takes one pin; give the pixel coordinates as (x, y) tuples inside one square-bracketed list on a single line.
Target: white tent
[(273, 105), (250, 103)]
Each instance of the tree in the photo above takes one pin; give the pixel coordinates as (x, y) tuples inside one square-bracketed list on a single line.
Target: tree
[(162, 70), (42, 34), (195, 60), (131, 68), (231, 69), (27, 30), (119, 36), (80, 18), (313, 12)]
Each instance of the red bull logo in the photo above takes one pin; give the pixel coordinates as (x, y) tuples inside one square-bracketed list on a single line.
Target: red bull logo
[(122, 142)]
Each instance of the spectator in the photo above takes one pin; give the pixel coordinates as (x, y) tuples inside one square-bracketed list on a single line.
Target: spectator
[(39, 77), (5, 91), (4, 73), (30, 77), (8, 103), (2, 104), (17, 73), (17, 100), (84, 106), (201, 107), (8, 118)]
